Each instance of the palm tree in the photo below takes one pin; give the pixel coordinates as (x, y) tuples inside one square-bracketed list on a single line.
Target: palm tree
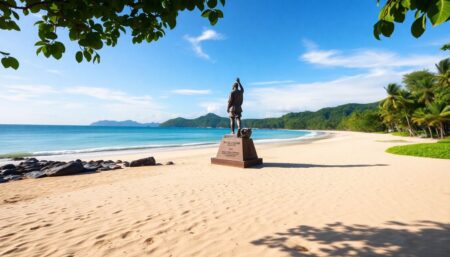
[(422, 118), (406, 102), (412, 79), (398, 101), (443, 75), (425, 90), (391, 101), (439, 114), (388, 118)]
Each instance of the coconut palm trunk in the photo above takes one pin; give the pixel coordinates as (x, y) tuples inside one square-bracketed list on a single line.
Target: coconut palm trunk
[(441, 127), (411, 132), (431, 132)]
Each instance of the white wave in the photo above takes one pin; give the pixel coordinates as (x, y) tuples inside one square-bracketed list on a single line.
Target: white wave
[(109, 149), (310, 134)]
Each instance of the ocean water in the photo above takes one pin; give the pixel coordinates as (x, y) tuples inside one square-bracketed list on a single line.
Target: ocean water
[(37, 140)]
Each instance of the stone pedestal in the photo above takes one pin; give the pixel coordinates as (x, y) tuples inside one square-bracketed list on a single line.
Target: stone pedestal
[(237, 152)]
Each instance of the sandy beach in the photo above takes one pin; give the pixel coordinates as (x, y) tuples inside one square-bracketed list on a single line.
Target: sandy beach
[(338, 196)]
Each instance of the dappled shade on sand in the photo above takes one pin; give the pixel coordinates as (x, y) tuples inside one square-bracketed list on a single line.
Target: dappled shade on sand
[(310, 165), (419, 239)]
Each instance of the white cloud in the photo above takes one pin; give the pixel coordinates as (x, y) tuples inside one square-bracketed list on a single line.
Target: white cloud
[(43, 104), (196, 42), (107, 94), (192, 91), (217, 107), (376, 68), (367, 59), (273, 82), (24, 92), (309, 44), (13, 77), (362, 88), (54, 71)]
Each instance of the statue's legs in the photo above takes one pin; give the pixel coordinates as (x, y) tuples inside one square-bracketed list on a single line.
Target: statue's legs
[(232, 124), (238, 120)]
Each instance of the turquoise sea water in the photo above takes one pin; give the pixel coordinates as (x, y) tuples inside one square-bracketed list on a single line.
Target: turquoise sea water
[(51, 140)]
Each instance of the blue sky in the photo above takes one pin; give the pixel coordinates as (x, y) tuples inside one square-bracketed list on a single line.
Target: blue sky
[(290, 56)]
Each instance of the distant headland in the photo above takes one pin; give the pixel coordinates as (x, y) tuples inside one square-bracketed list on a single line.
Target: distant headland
[(125, 123)]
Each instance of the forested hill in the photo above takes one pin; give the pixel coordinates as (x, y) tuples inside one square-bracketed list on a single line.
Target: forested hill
[(363, 117), (209, 120)]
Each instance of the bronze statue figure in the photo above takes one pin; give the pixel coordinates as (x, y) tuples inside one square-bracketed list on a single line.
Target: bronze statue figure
[(237, 151), (235, 105)]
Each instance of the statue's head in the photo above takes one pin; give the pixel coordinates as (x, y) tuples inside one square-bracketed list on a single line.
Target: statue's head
[(235, 86)]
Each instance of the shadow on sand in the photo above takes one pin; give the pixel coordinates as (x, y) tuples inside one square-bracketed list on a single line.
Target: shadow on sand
[(419, 239), (307, 165)]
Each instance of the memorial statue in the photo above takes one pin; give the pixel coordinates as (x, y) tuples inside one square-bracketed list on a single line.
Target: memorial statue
[(235, 106), (237, 151)]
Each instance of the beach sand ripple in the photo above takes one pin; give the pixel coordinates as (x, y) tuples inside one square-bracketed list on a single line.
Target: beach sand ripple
[(341, 196)]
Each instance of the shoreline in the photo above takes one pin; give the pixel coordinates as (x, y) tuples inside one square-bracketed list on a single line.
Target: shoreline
[(142, 150)]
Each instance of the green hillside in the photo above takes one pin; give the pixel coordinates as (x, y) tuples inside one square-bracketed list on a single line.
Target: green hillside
[(361, 117), (209, 120)]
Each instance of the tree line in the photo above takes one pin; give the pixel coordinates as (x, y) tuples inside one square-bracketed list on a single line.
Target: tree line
[(421, 106)]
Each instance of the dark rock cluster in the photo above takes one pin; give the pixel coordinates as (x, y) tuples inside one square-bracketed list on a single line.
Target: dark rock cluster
[(34, 168)]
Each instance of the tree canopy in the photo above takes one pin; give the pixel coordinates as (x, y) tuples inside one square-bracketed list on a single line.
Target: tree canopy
[(94, 23), (423, 104), (395, 11)]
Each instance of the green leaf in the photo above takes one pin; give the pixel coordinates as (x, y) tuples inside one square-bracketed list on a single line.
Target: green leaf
[(445, 47), (73, 34), (406, 4), (13, 25), (376, 30), (417, 14), (219, 13), (200, 5), (87, 55), (51, 35), (172, 22), (45, 51), (96, 58), (206, 13), (387, 28), (212, 3), (386, 13), (439, 12), (213, 18), (222, 2), (8, 62), (39, 50), (399, 14), (15, 15), (60, 46), (5, 62), (57, 55), (41, 43), (79, 56), (418, 26), (98, 27)]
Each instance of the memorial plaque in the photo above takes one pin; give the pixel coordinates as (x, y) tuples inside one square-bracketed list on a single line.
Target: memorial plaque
[(237, 152)]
